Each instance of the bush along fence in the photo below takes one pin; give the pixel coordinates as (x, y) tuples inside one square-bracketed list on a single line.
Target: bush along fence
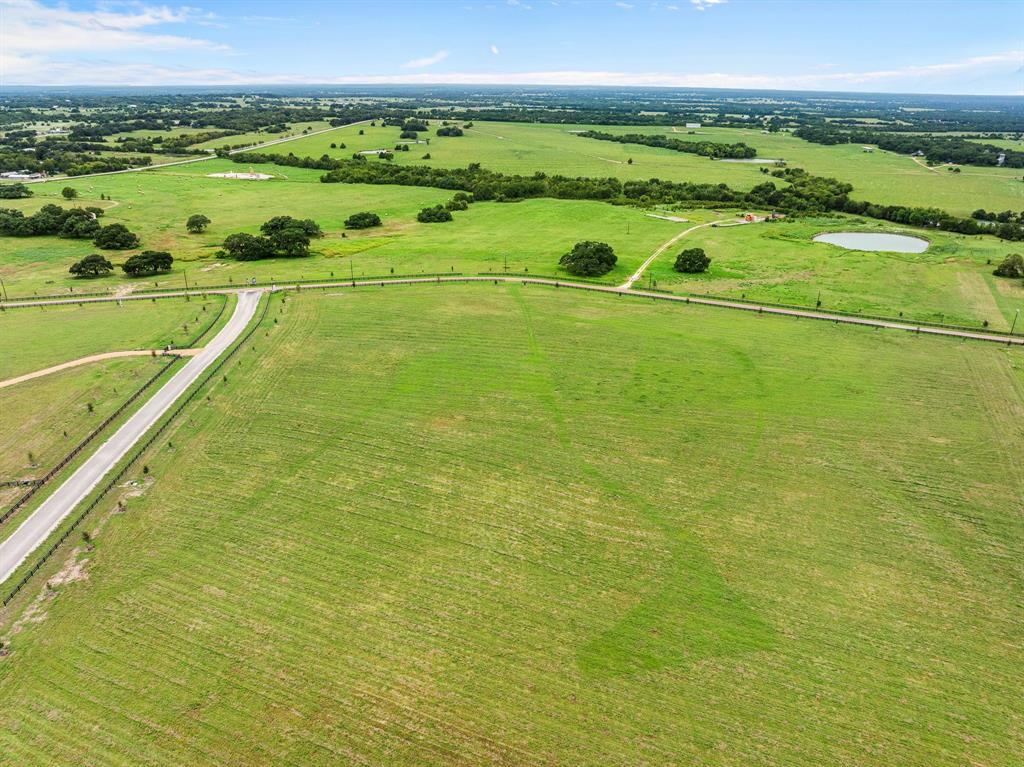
[(39, 483), (113, 481)]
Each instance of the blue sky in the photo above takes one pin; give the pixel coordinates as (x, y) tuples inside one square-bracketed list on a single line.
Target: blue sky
[(918, 47)]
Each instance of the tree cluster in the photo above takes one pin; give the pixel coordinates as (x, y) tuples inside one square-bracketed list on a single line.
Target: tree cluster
[(148, 262), (73, 223), (283, 236), (937, 149), (449, 130), (434, 215), (362, 220), (115, 237), (704, 148)]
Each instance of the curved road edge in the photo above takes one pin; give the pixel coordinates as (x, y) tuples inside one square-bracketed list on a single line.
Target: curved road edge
[(35, 529)]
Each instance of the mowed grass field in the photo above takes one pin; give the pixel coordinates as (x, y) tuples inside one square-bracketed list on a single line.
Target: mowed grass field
[(524, 148), (477, 525), (34, 338), (46, 417), (532, 234), (778, 262)]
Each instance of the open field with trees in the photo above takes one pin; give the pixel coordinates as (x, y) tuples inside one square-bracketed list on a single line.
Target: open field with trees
[(521, 525), (881, 177), (34, 338), (157, 204), (778, 262)]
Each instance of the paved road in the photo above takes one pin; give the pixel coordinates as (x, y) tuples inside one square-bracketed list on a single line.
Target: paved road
[(94, 358), (35, 530)]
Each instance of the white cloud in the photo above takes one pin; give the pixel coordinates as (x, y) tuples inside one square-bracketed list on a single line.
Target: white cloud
[(426, 61), (31, 28), (625, 6), (494, 49), (703, 5)]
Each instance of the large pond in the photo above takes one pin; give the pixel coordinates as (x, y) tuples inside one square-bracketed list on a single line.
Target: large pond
[(893, 243)]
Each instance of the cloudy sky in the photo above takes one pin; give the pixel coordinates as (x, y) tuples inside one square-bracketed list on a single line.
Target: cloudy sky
[(972, 47)]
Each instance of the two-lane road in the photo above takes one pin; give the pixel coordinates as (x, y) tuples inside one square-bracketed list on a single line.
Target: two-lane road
[(45, 519)]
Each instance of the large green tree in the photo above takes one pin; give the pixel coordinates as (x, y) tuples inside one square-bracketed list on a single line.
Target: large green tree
[(362, 220), (589, 259), (94, 265), (197, 223), (116, 237), (148, 262), (1011, 266), (692, 261)]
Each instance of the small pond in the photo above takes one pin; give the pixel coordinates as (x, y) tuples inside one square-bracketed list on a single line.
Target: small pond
[(892, 243)]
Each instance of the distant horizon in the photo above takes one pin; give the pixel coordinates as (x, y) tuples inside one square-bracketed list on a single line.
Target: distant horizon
[(386, 87), (900, 47)]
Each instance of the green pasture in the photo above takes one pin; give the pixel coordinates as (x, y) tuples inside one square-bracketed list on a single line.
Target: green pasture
[(532, 234), (46, 417), (778, 262), (525, 148), (260, 136), (514, 525), (34, 338)]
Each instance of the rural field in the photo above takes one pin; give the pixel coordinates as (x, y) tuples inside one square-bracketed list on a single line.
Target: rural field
[(532, 234), (476, 524), (881, 177), (778, 262), (33, 338)]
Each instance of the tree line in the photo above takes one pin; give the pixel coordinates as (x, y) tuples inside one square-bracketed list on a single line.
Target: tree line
[(715, 151), (802, 192), (952, 149)]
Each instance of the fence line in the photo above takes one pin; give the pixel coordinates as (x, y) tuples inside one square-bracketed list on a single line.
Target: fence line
[(39, 483), (63, 299), (135, 457)]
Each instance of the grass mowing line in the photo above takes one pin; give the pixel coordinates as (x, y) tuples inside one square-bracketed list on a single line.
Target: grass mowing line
[(165, 421)]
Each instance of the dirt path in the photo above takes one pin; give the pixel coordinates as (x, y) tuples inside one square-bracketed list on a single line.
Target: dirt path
[(661, 249), (92, 358)]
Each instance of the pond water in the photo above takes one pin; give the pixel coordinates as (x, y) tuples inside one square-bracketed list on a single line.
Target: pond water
[(893, 243)]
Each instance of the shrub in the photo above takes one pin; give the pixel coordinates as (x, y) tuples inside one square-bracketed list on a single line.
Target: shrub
[(692, 261), (434, 215), (454, 204), (116, 237), (69, 193), (148, 262), (589, 259), (362, 221), (91, 266), (1012, 266)]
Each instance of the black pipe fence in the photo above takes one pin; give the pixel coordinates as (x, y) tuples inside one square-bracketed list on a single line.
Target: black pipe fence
[(39, 483), (165, 422)]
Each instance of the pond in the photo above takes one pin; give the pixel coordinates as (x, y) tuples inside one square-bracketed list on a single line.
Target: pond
[(892, 243)]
